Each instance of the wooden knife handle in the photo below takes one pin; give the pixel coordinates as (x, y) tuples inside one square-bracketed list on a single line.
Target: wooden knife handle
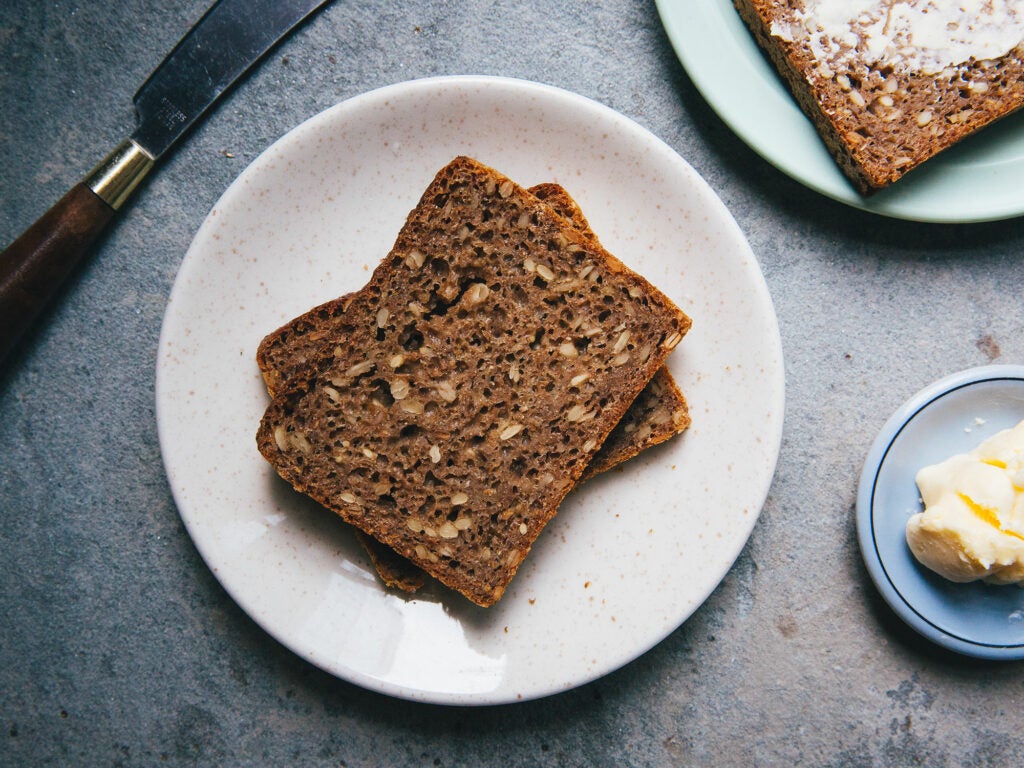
[(36, 264)]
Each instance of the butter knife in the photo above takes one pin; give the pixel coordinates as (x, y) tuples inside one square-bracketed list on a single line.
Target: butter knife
[(230, 37)]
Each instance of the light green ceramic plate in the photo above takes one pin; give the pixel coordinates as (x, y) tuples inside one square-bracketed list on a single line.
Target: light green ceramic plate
[(979, 180)]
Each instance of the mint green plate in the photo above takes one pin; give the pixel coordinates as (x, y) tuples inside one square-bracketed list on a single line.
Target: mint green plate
[(978, 180)]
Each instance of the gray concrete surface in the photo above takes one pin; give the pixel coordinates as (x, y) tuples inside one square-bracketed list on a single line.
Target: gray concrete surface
[(117, 645)]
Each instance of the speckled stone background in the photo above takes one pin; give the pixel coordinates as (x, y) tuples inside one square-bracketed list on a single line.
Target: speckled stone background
[(118, 646)]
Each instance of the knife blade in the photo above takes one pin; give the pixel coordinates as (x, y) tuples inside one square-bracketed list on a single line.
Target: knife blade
[(229, 39)]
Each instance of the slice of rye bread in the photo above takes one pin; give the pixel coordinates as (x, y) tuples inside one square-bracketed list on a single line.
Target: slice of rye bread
[(474, 377), (658, 413), (880, 120)]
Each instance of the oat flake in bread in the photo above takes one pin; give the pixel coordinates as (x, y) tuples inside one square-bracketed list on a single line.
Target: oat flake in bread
[(478, 371), (891, 83)]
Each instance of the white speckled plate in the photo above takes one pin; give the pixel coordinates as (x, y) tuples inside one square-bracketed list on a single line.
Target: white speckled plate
[(951, 416), (629, 557), (979, 180)]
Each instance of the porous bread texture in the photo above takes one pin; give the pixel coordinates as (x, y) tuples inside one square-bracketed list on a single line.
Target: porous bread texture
[(471, 381), (880, 122), (658, 413)]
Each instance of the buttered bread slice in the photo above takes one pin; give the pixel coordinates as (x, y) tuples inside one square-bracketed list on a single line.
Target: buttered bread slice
[(473, 379), (890, 84)]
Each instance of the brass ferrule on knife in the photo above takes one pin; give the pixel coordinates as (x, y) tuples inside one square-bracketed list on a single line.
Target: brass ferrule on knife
[(116, 177)]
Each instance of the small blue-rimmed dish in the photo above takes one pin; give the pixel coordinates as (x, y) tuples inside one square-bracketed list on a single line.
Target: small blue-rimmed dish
[(951, 416)]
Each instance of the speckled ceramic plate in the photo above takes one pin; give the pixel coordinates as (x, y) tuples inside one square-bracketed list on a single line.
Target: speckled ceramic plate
[(631, 554), (979, 180), (951, 416)]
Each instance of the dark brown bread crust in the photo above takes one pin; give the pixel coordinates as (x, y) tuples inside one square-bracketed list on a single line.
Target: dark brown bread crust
[(286, 353), (879, 124), (468, 387)]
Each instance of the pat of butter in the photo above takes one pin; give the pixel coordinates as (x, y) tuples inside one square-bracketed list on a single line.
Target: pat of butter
[(972, 526)]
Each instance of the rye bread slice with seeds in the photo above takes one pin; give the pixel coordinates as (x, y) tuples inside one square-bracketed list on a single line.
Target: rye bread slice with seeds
[(473, 379), (880, 118), (658, 413)]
